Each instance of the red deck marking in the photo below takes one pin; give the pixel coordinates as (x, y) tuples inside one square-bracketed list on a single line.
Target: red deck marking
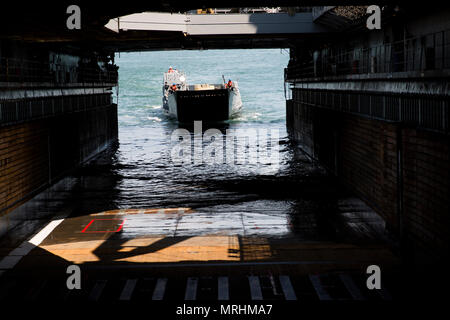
[(121, 226), (106, 231), (88, 225)]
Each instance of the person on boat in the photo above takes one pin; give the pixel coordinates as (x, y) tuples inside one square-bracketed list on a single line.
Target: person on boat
[(174, 87), (229, 84), (170, 69)]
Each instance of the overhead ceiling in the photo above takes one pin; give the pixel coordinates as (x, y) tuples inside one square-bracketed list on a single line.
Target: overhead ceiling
[(20, 14), (44, 21)]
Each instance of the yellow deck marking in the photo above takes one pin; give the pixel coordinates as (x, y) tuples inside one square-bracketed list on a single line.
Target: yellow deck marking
[(119, 212)]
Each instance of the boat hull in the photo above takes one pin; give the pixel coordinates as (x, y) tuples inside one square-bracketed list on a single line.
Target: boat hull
[(206, 102), (207, 105)]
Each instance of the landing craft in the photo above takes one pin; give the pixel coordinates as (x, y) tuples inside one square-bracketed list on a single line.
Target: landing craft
[(207, 102)]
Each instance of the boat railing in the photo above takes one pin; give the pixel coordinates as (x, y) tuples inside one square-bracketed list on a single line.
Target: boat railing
[(209, 86), (174, 77)]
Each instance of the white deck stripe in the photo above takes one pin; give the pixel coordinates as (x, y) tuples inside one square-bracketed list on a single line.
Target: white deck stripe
[(223, 293), (255, 288), (23, 249), (352, 287), (160, 287), (191, 289), (37, 239), (128, 289), (10, 261), (288, 290), (320, 290), (96, 292)]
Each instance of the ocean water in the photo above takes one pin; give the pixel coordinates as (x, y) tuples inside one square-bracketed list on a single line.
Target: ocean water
[(258, 72)]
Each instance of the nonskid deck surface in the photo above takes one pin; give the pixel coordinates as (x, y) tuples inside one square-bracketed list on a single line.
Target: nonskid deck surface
[(179, 253), (201, 284)]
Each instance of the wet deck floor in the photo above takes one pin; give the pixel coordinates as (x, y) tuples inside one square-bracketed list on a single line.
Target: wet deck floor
[(178, 235)]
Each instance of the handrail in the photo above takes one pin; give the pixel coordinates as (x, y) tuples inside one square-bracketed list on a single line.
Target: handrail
[(427, 52), (23, 71)]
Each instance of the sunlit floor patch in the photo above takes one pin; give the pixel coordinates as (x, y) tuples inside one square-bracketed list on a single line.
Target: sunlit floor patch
[(147, 249), (183, 235), (161, 235)]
